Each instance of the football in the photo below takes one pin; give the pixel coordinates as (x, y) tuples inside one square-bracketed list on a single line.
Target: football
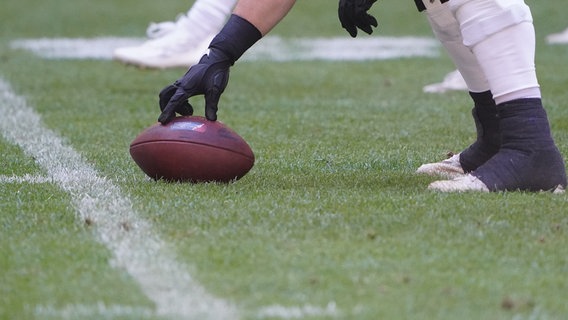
[(192, 149)]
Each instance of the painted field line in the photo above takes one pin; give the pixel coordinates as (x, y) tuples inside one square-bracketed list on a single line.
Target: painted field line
[(274, 48), (99, 310), (26, 178), (105, 311), (36, 178), (271, 48), (135, 246), (299, 312)]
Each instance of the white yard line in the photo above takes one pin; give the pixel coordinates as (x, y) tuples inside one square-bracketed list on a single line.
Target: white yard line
[(26, 178), (106, 311), (135, 246), (282, 312), (99, 311), (271, 48)]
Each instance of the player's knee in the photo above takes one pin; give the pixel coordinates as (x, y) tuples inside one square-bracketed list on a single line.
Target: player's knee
[(481, 19)]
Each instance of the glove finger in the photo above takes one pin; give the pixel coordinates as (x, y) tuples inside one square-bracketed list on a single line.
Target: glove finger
[(369, 4), (346, 19), (372, 21), (352, 31), (185, 109), (211, 104), (366, 24), (179, 98), (165, 95), (366, 28), (348, 25)]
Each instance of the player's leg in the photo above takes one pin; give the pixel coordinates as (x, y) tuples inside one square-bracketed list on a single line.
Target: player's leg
[(447, 30), (180, 43), (501, 35)]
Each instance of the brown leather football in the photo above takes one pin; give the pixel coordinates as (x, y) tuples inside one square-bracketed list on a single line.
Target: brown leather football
[(192, 149)]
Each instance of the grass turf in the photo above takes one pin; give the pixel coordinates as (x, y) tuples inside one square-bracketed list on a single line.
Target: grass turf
[(330, 214)]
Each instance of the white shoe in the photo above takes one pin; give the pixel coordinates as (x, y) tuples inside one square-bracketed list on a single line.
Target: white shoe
[(452, 81), (558, 38), (171, 45), (449, 168), (559, 190), (461, 184)]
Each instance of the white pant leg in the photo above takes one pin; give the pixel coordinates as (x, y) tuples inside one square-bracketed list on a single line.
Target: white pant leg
[(500, 33), (207, 17), (447, 29)]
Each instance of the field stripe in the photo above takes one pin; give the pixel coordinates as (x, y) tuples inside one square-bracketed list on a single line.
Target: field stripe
[(131, 239), (97, 311), (299, 312), (26, 178), (271, 48)]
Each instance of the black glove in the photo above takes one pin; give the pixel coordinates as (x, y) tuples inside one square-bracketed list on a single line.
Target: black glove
[(353, 14), (184, 108), (211, 75)]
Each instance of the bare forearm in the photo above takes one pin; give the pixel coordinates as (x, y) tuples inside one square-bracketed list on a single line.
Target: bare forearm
[(263, 14)]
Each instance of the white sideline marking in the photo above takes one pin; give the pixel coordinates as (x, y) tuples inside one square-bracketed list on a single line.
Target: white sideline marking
[(271, 48), (99, 310), (131, 239), (342, 48), (33, 179), (282, 312), (104, 311), (26, 178), (74, 48)]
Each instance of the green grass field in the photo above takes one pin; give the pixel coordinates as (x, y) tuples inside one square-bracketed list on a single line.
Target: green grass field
[(331, 222)]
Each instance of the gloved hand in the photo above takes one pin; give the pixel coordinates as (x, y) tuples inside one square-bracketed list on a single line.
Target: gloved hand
[(353, 14), (209, 77), (185, 109)]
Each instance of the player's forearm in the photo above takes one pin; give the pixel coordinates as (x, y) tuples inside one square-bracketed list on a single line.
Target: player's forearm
[(263, 14)]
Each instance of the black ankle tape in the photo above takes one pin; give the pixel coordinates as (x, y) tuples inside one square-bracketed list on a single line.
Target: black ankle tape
[(483, 98), (528, 158), (521, 105), (488, 139)]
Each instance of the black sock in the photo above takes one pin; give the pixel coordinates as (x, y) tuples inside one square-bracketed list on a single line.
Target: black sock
[(488, 137), (528, 158)]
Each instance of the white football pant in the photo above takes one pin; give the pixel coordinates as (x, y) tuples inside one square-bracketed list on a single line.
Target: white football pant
[(492, 43), (208, 16)]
